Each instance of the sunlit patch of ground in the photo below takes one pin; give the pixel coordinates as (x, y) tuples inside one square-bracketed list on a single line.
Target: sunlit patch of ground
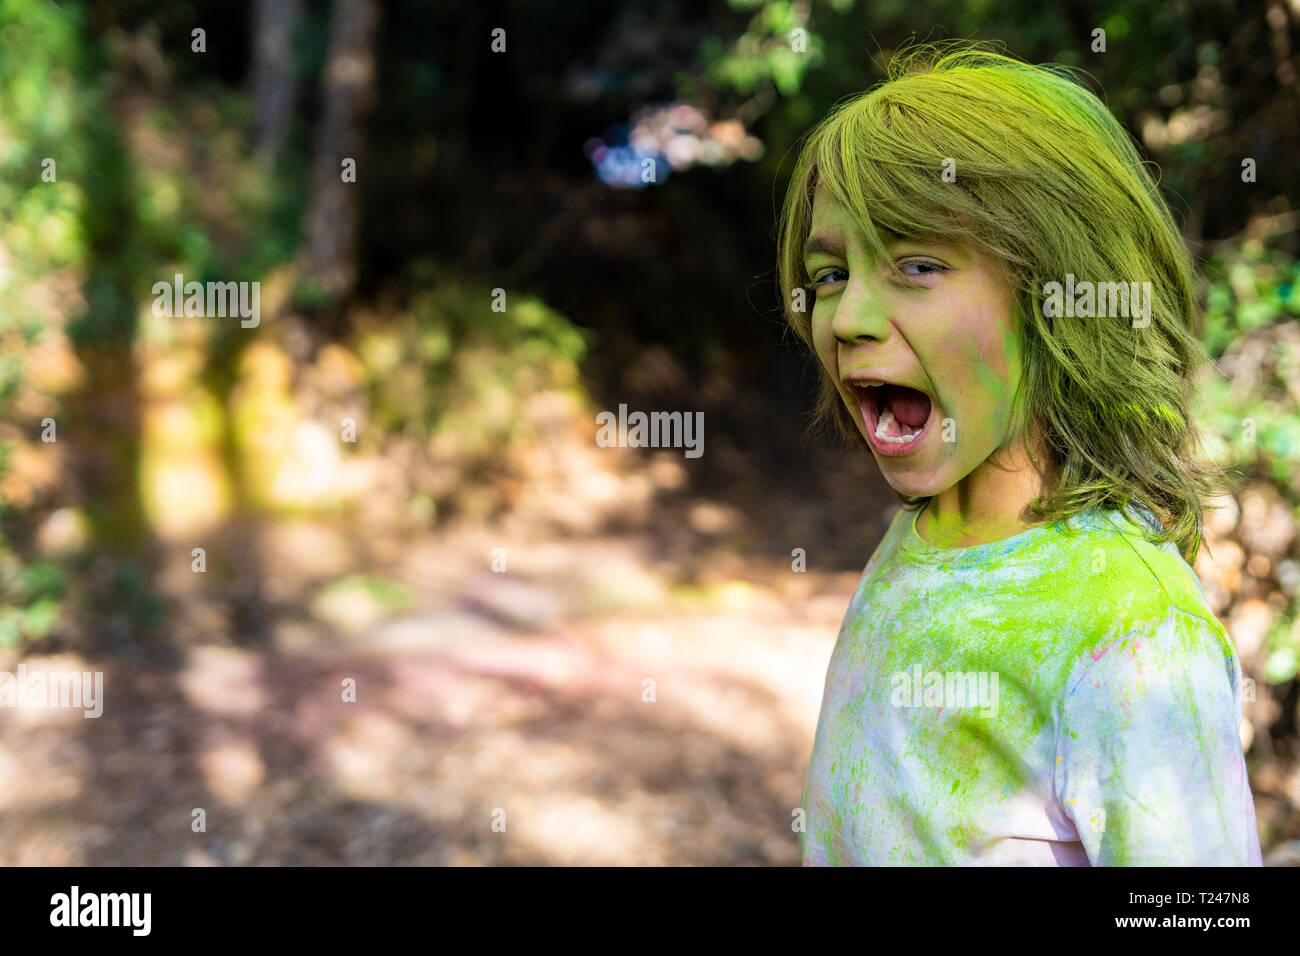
[(611, 733)]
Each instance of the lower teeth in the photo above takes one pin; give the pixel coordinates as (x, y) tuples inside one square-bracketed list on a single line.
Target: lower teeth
[(887, 419)]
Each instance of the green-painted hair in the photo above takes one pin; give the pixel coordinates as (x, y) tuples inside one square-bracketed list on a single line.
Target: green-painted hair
[(1049, 184)]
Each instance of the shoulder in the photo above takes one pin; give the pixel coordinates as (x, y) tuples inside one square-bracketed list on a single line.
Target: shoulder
[(1152, 691), (1188, 652), (1124, 582), (1148, 751)]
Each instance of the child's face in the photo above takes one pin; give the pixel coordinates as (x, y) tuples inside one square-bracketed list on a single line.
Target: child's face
[(947, 332)]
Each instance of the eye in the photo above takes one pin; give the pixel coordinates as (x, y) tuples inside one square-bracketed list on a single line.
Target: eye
[(921, 268), (828, 276)]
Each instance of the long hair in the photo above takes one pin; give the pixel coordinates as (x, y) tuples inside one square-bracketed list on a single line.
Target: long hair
[(1045, 180)]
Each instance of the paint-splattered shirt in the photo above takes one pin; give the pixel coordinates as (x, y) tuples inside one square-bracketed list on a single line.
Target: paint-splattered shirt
[(1062, 697)]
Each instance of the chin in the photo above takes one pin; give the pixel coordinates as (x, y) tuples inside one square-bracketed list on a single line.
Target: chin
[(926, 484), (914, 488)]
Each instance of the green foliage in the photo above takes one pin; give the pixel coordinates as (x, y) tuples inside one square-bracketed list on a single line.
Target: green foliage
[(1251, 331), (765, 51), (1283, 661), (130, 604), (391, 596), (39, 105), (452, 370), (41, 238), (1251, 287), (31, 596), (1252, 409)]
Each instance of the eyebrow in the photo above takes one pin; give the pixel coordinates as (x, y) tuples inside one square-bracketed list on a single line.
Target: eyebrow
[(832, 246)]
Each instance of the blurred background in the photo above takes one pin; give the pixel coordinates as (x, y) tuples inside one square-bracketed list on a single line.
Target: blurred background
[(394, 477)]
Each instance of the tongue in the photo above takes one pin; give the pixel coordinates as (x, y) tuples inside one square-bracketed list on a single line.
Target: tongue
[(909, 406)]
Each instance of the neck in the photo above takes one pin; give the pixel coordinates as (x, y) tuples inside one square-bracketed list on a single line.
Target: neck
[(989, 504)]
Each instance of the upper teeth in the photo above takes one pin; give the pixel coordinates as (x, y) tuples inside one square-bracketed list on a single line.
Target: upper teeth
[(887, 419)]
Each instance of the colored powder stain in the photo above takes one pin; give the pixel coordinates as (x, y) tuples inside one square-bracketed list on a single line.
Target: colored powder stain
[(1023, 610)]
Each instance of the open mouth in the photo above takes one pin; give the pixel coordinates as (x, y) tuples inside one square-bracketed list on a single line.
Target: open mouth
[(895, 416)]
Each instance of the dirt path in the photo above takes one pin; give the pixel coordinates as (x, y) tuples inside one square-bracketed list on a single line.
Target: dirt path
[(605, 717)]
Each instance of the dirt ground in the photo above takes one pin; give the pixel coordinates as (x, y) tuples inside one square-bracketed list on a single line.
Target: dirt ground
[(643, 695), (603, 718)]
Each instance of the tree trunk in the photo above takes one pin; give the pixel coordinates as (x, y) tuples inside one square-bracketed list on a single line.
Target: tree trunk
[(272, 75), (331, 230)]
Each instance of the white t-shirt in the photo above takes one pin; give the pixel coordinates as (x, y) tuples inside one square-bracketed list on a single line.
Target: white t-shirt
[(1063, 697)]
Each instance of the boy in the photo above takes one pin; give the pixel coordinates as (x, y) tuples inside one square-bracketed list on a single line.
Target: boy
[(1003, 309)]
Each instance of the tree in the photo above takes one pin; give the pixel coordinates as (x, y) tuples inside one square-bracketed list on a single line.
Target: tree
[(329, 256), (272, 74)]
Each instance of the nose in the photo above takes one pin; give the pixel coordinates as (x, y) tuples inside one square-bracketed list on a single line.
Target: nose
[(862, 313)]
